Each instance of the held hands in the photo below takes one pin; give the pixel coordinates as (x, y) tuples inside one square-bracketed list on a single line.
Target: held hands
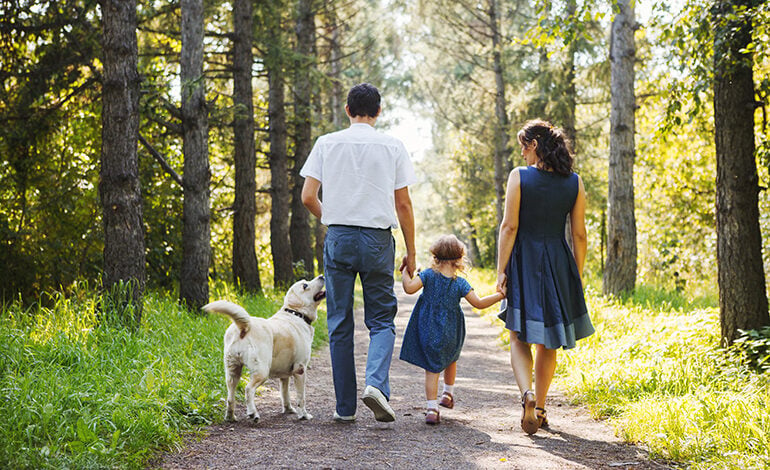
[(409, 263), (502, 284)]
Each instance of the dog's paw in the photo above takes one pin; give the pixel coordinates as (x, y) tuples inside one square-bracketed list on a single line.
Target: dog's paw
[(289, 410), (253, 416), (305, 416), (230, 416)]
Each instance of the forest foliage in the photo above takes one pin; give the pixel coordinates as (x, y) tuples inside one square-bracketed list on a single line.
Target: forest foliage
[(432, 56)]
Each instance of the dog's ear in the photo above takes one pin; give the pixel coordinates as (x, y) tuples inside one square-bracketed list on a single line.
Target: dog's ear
[(292, 299)]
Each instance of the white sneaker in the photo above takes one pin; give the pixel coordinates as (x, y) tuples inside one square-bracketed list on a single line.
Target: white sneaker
[(376, 402), (344, 419)]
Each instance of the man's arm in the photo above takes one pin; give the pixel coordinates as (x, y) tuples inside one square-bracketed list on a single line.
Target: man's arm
[(310, 196), (406, 221)]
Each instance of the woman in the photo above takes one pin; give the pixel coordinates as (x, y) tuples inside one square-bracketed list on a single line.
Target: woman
[(546, 306)]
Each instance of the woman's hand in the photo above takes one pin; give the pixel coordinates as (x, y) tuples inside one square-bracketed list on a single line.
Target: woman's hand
[(501, 283)]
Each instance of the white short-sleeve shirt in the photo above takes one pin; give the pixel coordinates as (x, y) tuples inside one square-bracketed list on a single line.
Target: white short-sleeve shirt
[(359, 170)]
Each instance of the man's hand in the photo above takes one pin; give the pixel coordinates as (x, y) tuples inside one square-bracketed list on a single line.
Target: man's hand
[(409, 263)]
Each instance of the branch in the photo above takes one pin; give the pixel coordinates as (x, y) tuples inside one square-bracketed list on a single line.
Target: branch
[(163, 163)]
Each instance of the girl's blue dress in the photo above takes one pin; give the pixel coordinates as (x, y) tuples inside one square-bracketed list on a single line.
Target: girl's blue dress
[(436, 331), (545, 295)]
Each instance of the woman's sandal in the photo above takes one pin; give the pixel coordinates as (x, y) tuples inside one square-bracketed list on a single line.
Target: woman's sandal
[(431, 417), (529, 422), (542, 419)]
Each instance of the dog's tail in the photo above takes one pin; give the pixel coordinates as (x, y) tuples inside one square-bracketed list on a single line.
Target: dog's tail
[(237, 314)]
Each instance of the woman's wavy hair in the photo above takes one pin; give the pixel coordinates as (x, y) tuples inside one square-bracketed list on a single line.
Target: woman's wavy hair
[(553, 147), (448, 249)]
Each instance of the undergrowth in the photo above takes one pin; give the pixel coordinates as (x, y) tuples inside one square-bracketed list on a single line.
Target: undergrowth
[(78, 393), (656, 369)]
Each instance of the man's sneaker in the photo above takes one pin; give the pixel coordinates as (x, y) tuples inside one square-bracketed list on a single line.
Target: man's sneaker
[(376, 402), (344, 419)]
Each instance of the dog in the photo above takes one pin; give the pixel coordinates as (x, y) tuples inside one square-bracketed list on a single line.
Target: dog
[(275, 347)]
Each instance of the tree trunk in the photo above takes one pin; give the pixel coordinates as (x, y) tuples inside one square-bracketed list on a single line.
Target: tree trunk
[(280, 243), (119, 185), (302, 250), (501, 114), (245, 266), (336, 97), (570, 103), (196, 233), (570, 95), (742, 295), (620, 272)]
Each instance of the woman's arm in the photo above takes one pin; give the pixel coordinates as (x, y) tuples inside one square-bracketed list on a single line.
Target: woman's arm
[(410, 284), (578, 221), (509, 227), (484, 302)]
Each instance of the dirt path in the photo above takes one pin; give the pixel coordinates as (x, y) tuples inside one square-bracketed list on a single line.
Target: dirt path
[(482, 430)]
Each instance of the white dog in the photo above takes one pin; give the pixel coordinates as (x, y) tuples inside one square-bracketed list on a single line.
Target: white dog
[(275, 347)]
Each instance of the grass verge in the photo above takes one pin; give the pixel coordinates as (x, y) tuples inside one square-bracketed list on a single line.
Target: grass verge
[(77, 394), (655, 368)]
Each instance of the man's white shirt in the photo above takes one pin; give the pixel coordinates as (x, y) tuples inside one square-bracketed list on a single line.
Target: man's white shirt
[(359, 170)]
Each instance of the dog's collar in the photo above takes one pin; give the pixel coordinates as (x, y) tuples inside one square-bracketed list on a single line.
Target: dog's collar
[(300, 314)]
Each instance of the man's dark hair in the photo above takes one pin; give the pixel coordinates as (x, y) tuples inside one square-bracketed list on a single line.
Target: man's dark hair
[(364, 100)]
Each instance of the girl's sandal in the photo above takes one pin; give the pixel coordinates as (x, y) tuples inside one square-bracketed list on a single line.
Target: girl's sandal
[(431, 417), (529, 422), (447, 400), (542, 419)]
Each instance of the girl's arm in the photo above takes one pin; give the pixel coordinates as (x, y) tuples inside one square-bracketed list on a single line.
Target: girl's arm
[(410, 284), (509, 227), (578, 222), (484, 302)]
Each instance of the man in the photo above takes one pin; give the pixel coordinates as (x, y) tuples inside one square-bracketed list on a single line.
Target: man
[(365, 175)]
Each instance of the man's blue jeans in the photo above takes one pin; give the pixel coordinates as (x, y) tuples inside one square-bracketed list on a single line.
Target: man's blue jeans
[(369, 253)]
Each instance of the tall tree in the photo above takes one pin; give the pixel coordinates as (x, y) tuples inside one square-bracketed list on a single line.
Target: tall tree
[(570, 93), (196, 234), (742, 294), (280, 195), (302, 250), (119, 185), (245, 267), (501, 113), (620, 270)]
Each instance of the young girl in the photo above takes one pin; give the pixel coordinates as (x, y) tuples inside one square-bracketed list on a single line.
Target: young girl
[(436, 331)]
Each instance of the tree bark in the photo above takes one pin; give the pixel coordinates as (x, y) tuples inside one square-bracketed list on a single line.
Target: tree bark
[(245, 265), (119, 185), (280, 241), (570, 103), (501, 113), (742, 294), (196, 233), (620, 272), (302, 250), (570, 95)]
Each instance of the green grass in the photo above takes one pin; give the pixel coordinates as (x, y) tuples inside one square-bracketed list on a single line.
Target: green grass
[(655, 368), (77, 394)]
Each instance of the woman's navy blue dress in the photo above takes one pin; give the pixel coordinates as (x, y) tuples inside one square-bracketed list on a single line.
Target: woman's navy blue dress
[(436, 331), (545, 296)]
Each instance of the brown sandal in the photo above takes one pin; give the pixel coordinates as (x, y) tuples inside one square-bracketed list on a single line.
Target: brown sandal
[(529, 422), (542, 419), (431, 417), (447, 400)]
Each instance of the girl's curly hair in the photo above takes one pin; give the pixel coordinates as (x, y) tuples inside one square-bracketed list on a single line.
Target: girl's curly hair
[(449, 249), (553, 147)]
